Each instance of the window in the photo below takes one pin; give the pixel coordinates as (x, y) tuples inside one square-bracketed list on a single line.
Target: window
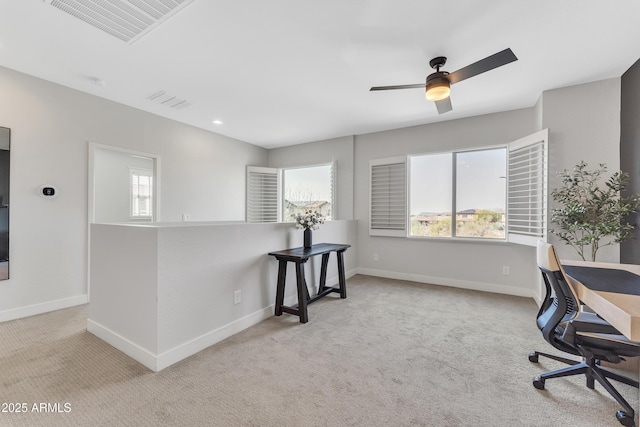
[(307, 188), (431, 195), (278, 194), (141, 193), (494, 193), (470, 183)]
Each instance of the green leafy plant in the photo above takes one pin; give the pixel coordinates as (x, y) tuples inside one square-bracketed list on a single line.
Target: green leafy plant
[(593, 214)]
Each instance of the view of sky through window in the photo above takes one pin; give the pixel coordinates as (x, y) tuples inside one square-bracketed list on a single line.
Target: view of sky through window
[(480, 194), (307, 188)]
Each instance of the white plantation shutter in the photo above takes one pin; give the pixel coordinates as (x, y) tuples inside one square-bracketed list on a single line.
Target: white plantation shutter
[(388, 197), (263, 185), (332, 187), (527, 189)]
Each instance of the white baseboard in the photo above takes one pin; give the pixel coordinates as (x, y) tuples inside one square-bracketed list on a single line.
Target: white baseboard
[(129, 348), (445, 281), (160, 361), (198, 344), (45, 307), (157, 362)]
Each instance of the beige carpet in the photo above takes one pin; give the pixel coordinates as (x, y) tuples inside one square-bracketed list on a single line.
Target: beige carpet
[(393, 354)]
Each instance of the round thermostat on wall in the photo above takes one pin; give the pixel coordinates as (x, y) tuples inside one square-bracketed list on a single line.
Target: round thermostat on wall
[(48, 191)]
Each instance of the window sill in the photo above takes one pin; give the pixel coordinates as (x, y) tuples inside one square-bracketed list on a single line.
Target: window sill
[(460, 240)]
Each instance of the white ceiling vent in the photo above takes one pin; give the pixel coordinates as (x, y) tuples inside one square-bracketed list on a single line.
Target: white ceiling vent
[(163, 98), (127, 20)]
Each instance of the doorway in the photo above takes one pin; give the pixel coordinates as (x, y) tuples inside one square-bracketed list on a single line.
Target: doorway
[(124, 185)]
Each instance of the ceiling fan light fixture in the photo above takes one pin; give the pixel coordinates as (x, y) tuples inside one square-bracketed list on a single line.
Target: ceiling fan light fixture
[(438, 87)]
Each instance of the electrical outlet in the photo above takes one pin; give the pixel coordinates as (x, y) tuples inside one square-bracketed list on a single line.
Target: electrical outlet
[(237, 296), (376, 258), (505, 270), (186, 217)]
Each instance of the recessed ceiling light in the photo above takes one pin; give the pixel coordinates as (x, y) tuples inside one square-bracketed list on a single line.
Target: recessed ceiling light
[(217, 122), (97, 81)]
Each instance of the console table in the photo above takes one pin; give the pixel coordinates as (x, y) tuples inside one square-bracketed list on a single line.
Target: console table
[(300, 256)]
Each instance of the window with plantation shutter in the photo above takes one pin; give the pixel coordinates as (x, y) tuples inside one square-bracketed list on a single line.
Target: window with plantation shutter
[(388, 197), (308, 188), (527, 189), (262, 194)]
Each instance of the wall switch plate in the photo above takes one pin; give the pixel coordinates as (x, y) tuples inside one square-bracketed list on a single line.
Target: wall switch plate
[(375, 257), (237, 296), (505, 270)]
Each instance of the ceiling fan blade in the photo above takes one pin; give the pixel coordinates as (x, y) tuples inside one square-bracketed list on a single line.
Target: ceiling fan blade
[(489, 63), (415, 86), (444, 105)]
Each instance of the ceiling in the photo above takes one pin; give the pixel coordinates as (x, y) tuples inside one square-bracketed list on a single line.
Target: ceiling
[(284, 72)]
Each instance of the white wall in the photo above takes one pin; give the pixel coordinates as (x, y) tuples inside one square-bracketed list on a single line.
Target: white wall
[(339, 150), (51, 125), (174, 294), (584, 124)]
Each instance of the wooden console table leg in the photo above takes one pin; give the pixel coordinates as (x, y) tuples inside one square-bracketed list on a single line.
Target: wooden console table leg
[(341, 278), (282, 276), (323, 273), (302, 292)]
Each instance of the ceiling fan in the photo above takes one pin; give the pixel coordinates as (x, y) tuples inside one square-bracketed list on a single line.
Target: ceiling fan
[(438, 84)]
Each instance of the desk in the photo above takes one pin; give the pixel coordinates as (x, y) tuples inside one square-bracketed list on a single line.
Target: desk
[(622, 310), (300, 256)]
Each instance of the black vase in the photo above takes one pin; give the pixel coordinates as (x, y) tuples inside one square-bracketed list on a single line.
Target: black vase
[(307, 238)]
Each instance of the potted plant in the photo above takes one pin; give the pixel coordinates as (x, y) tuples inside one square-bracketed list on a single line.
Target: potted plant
[(593, 214)]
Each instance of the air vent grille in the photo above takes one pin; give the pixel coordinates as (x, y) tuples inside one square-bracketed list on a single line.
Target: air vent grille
[(163, 98), (127, 20)]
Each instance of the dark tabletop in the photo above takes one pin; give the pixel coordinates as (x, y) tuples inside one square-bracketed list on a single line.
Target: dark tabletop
[(605, 279), (303, 253)]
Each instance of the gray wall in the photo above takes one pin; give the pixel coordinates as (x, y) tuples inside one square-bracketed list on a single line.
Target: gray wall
[(584, 124), (476, 265), (630, 151), (203, 173), (340, 150)]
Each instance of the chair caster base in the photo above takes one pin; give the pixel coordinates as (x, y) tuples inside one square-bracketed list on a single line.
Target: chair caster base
[(538, 383), (533, 357), (625, 419)]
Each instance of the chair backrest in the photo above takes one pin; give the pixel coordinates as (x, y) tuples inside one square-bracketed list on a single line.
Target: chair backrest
[(561, 303)]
